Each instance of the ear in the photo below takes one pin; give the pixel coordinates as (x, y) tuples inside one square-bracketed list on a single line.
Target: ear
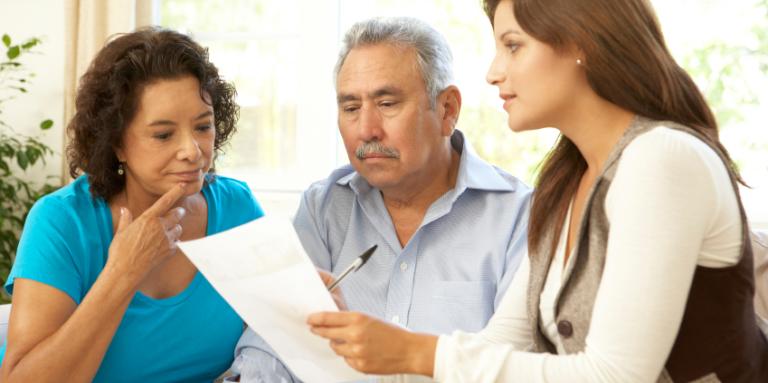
[(119, 153), (449, 106), (578, 54)]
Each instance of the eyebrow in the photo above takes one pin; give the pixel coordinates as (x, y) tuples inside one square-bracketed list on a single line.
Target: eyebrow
[(509, 32), (386, 90), (207, 113), (344, 97)]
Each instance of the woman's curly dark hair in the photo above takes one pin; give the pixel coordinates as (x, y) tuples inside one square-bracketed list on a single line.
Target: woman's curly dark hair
[(110, 90)]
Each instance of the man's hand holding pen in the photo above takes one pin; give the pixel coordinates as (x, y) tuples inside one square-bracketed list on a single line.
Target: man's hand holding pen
[(357, 336), (331, 283)]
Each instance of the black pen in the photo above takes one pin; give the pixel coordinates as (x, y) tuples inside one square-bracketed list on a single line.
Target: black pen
[(357, 264)]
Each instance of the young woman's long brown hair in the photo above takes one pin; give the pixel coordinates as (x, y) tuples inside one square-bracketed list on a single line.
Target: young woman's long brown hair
[(627, 63)]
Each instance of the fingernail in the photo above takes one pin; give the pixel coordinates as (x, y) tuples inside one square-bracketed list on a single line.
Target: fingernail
[(123, 211)]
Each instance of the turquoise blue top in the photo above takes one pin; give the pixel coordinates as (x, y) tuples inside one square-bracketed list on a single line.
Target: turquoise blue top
[(189, 337)]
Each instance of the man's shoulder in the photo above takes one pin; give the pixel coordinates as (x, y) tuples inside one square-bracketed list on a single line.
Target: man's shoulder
[(332, 190), (325, 208), (336, 183)]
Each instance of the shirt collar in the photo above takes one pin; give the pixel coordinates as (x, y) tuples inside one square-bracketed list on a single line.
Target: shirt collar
[(474, 173)]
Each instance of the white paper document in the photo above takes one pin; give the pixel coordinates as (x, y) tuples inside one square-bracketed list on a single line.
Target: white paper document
[(262, 271)]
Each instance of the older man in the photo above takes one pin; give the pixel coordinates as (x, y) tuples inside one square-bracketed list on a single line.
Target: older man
[(450, 228)]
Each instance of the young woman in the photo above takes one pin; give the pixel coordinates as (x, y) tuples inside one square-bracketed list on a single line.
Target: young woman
[(100, 291), (639, 267)]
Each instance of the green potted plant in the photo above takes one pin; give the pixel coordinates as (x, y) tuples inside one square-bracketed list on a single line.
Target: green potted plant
[(18, 154)]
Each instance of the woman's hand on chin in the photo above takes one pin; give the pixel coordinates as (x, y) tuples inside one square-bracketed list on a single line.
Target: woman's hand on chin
[(142, 243)]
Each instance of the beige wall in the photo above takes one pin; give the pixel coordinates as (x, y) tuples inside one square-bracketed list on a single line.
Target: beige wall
[(22, 19)]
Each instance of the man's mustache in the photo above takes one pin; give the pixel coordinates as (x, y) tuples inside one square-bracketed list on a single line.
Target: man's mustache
[(376, 148)]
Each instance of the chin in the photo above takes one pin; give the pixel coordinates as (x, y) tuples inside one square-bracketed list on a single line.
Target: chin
[(379, 180), (517, 128), (192, 188), (518, 125)]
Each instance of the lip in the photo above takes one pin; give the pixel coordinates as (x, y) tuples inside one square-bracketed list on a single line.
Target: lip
[(508, 99), (376, 156), (192, 175)]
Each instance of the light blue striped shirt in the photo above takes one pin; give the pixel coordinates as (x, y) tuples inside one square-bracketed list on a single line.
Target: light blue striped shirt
[(452, 273)]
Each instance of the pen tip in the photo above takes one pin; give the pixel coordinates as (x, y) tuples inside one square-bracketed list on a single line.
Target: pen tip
[(368, 254)]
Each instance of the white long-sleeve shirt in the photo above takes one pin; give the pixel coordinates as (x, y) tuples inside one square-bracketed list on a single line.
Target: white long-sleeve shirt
[(671, 207)]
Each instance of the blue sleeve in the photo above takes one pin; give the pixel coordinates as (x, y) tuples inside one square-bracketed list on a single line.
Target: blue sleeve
[(247, 206), (310, 232), (251, 207), (256, 362), (516, 249), (48, 250), (234, 203)]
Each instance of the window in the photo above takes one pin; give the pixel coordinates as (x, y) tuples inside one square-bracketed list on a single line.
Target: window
[(280, 54)]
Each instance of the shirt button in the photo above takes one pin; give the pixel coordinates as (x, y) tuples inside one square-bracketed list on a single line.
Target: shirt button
[(403, 266), (565, 328), (396, 319)]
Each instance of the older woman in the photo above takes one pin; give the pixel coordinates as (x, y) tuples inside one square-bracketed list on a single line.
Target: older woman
[(100, 291)]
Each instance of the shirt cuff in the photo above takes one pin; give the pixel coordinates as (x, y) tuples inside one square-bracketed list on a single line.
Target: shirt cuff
[(442, 352)]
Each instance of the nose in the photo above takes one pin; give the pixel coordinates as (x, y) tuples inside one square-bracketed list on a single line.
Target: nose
[(370, 124), (495, 75), (189, 149)]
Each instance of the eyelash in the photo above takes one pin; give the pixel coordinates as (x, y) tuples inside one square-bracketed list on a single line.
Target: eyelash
[(162, 136), (512, 47), (355, 108), (166, 135)]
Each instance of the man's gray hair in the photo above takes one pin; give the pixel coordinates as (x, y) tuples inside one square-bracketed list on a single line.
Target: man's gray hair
[(433, 55)]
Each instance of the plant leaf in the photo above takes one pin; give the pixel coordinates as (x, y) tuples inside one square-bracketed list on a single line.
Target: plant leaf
[(21, 159), (7, 40), (47, 124), (13, 52), (30, 43), (33, 154)]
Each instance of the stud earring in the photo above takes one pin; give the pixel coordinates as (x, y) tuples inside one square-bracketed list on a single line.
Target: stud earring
[(120, 169), (578, 61)]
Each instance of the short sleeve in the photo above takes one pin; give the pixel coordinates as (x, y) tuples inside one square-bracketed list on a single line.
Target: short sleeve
[(46, 249), (251, 209), (517, 249), (232, 202), (310, 229)]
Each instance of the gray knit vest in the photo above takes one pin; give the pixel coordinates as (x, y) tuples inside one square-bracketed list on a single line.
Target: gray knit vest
[(718, 340)]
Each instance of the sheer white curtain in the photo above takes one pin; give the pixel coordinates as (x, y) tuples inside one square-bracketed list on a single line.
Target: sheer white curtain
[(89, 24)]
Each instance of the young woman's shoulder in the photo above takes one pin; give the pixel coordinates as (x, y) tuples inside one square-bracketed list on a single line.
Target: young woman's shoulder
[(672, 170), (665, 150)]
